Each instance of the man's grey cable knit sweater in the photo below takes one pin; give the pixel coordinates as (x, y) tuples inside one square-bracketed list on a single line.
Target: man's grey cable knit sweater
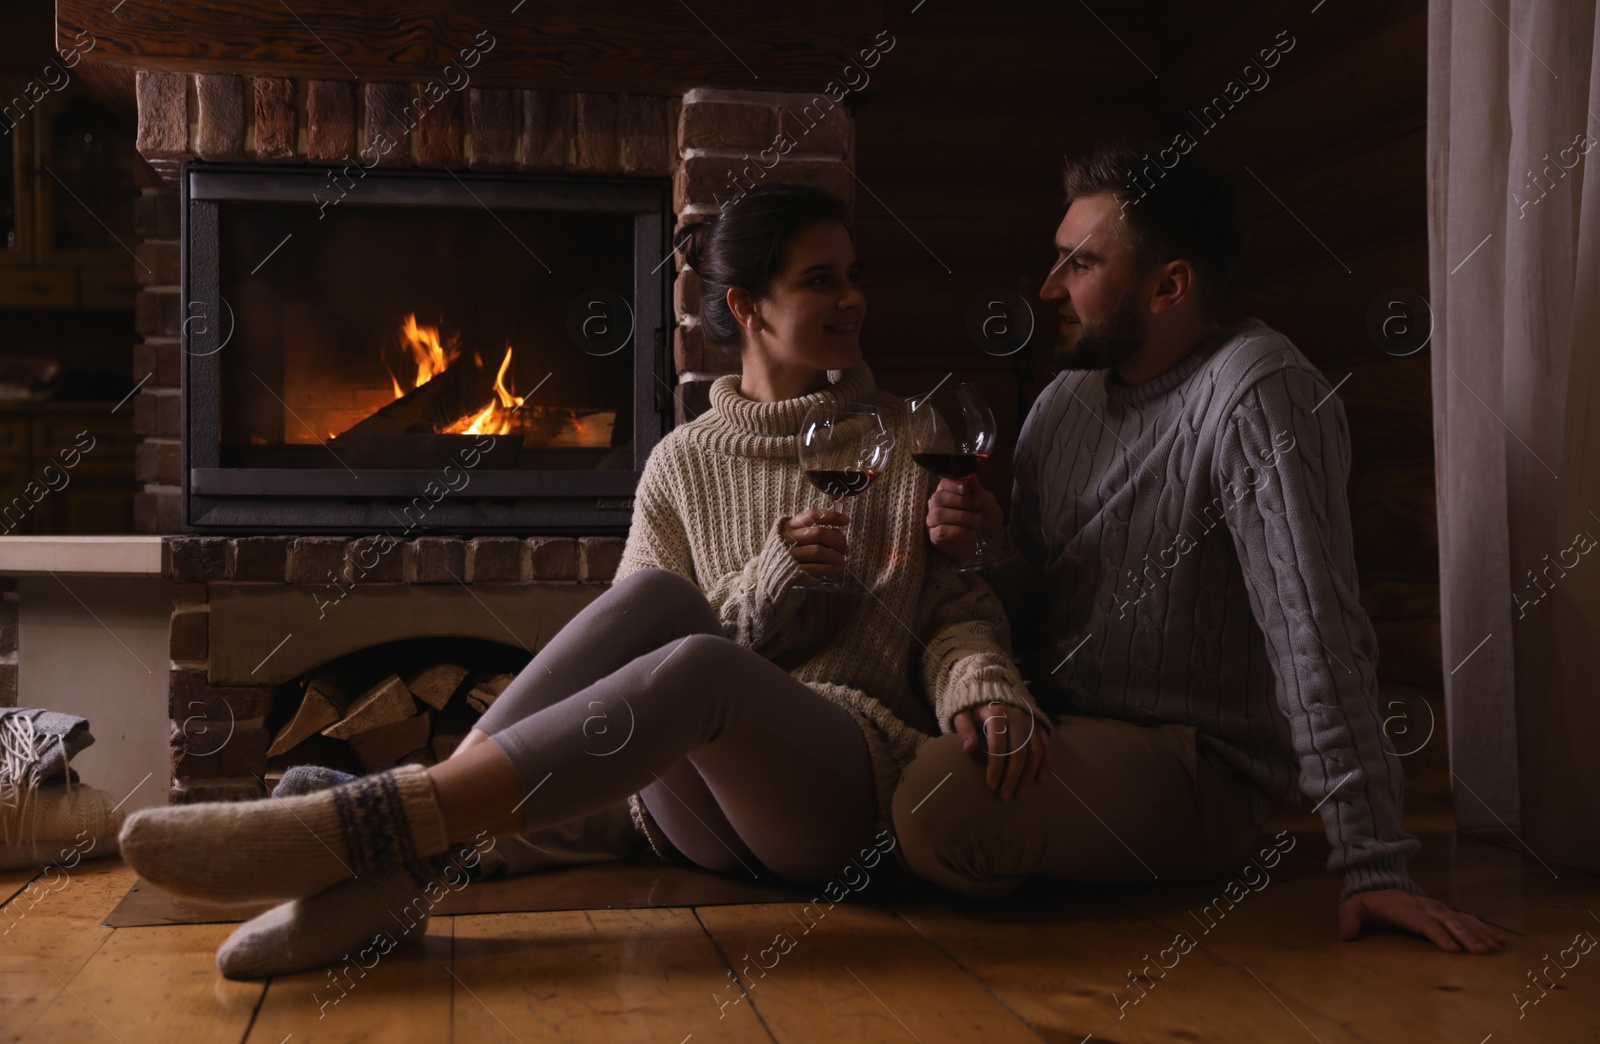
[(1187, 559)]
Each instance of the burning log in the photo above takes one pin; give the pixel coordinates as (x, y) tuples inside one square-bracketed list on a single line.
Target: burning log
[(457, 393)]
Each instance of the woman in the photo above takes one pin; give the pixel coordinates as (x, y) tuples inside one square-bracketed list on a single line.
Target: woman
[(757, 724)]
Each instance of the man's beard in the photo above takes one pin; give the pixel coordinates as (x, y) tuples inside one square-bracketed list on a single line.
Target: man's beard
[(1112, 343)]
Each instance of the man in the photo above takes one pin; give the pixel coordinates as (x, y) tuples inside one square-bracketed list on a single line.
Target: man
[(1184, 593)]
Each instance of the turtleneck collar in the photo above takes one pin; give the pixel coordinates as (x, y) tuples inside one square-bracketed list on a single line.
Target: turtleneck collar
[(1119, 391), (783, 419)]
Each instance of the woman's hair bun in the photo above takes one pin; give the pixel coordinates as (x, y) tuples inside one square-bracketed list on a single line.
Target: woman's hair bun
[(745, 245), (691, 242)]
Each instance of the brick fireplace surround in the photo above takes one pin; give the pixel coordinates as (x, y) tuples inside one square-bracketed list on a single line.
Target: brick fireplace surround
[(219, 737), (706, 140), (709, 141)]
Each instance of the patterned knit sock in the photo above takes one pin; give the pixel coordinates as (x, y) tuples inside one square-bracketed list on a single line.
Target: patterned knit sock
[(353, 920), (308, 779), (244, 852)]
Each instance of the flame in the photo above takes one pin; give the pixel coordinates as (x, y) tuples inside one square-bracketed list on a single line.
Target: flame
[(495, 418), (433, 355), (430, 354)]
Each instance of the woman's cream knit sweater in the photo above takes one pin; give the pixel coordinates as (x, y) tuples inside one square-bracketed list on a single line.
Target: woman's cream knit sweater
[(922, 644)]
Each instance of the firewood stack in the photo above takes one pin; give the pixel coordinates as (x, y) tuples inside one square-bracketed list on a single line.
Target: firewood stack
[(419, 718)]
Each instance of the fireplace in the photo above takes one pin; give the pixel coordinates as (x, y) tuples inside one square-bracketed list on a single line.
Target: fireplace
[(562, 122), (423, 351), (330, 235)]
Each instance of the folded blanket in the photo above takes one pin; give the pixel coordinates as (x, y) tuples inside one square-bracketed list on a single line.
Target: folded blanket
[(38, 744), (45, 816), (57, 823)]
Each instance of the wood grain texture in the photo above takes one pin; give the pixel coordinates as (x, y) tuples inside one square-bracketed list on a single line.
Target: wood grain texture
[(1379, 79), (1218, 50), (1323, 308), (1063, 969), (546, 43), (1390, 598), (48, 931), (150, 985), (1386, 987), (406, 996), (911, 137), (1410, 651), (609, 886), (1395, 518), (875, 975), (1051, 963), (1347, 200), (1388, 403), (598, 975)]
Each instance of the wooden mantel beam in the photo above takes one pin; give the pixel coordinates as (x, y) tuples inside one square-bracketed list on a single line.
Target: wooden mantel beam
[(609, 45)]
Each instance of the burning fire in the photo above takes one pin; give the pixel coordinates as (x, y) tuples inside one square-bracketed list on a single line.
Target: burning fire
[(496, 417), (432, 356)]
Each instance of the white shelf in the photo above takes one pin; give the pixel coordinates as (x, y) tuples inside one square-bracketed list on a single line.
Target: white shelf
[(80, 555)]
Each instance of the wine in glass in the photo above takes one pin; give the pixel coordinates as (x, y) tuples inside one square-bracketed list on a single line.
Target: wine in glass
[(952, 432), (844, 446)]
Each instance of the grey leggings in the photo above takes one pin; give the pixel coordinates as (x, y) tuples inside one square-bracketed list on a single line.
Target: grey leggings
[(741, 765)]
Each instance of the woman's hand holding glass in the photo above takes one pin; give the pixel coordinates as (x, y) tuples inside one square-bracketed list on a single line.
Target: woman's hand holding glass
[(843, 447), (817, 541)]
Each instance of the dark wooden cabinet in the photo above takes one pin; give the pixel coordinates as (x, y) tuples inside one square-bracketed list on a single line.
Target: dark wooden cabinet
[(66, 467), (67, 187)]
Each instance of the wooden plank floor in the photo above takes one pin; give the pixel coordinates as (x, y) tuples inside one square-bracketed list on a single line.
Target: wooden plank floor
[(1051, 964)]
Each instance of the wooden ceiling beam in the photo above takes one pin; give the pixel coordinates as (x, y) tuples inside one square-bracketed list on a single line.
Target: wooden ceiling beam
[(600, 45)]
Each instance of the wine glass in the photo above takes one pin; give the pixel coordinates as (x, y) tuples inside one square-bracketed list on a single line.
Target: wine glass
[(952, 432), (844, 446)]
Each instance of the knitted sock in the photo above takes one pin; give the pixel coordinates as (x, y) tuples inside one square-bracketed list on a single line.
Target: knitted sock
[(308, 779), (244, 852), (362, 920)]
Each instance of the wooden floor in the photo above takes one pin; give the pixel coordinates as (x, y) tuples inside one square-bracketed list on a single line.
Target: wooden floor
[(1048, 965)]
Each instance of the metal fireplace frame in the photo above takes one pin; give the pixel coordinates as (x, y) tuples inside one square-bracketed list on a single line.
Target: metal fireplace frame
[(269, 500)]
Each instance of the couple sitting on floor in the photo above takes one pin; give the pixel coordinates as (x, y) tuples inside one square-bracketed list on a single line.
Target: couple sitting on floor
[(1184, 601)]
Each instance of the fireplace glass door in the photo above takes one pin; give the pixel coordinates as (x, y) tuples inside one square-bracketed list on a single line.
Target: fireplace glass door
[(350, 337)]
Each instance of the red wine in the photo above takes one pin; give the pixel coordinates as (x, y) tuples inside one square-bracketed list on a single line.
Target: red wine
[(837, 485), (951, 465)]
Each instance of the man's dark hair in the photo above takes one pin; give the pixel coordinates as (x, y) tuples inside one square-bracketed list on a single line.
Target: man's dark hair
[(1185, 209)]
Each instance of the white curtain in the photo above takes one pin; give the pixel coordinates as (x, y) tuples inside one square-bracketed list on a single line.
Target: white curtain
[(1514, 224)]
